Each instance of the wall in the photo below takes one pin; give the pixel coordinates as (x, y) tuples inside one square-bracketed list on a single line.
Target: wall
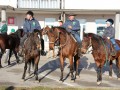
[(12, 3), (92, 4)]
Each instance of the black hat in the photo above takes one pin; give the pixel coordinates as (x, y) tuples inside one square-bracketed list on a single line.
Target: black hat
[(110, 20), (30, 13), (71, 14)]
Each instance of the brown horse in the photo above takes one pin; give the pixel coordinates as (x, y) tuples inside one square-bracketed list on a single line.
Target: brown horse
[(51, 40), (11, 42), (68, 49), (32, 53), (101, 53)]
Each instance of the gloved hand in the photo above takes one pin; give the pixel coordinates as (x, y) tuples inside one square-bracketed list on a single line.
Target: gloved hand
[(108, 37), (69, 27)]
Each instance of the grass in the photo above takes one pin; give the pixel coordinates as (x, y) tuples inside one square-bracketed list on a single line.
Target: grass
[(49, 88)]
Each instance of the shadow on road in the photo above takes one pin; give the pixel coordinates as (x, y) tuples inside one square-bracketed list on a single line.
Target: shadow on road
[(51, 66)]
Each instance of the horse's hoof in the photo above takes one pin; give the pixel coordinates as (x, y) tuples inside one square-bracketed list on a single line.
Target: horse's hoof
[(119, 79), (99, 82), (72, 81), (77, 77), (22, 80), (1, 66), (61, 80), (9, 63), (110, 77)]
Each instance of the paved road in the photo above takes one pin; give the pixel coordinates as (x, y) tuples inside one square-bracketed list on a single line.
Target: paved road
[(49, 73)]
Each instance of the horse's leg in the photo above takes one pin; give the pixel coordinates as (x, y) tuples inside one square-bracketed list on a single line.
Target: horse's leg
[(53, 52), (71, 67), (76, 65), (1, 54), (16, 56), (0, 60), (99, 73), (10, 53), (29, 68), (118, 64), (48, 54), (36, 67), (62, 66), (110, 71), (25, 68)]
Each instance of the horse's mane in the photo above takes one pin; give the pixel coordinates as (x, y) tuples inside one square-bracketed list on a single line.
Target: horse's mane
[(96, 37), (61, 29)]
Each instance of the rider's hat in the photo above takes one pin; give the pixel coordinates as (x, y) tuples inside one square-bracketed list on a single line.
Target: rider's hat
[(110, 20), (30, 13), (71, 14)]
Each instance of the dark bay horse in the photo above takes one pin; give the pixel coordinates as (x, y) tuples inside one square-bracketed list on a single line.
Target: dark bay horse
[(51, 40), (11, 42), (101, 53), (68, 49), (32, 53)]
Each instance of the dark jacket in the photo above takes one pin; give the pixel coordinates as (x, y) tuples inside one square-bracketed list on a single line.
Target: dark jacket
[(109, 32), (4, 28), (74, 23), (30, 25)]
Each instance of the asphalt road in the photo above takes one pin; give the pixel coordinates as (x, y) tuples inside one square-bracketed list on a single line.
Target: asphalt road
[(49, 74)]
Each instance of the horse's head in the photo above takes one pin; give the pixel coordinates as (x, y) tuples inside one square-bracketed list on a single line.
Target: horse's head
[(20, 33), (86, 42), (37, 39), (46, 30)]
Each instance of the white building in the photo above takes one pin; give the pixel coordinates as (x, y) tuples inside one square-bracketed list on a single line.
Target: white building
[(92, 14)]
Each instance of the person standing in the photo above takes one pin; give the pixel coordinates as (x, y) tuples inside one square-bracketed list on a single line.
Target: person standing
[(4, 27), (73, 26)]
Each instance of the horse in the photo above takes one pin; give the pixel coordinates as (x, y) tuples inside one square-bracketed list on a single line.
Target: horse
[(68, 49), (11, 42), (51, 40), (101, 53), (32, 53)]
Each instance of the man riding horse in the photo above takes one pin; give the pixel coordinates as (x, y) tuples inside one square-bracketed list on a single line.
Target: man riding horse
[(73, 26), (109, 33), (30, 24)]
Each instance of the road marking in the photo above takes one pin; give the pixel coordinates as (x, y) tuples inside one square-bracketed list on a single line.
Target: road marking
[(50, 77)]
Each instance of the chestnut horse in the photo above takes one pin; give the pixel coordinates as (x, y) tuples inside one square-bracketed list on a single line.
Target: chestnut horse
[(32, 53), (101, 53), (51, 40), (68, 49), (11, 42)]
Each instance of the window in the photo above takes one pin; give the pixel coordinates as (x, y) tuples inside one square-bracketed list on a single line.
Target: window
[(11, 20), (101, 23)]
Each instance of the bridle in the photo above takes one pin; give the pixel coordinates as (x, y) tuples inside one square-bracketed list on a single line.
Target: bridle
[(90, 43)]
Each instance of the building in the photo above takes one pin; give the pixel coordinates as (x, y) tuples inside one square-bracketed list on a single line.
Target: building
[(92, 14)]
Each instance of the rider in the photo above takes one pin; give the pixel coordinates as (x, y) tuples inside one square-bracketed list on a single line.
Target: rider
[(109, 33), (60, 22), (30, 24), (73, 26)]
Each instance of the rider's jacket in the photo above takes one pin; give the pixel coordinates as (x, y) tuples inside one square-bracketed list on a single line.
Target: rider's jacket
[(30, 25), (74, 23), (109, 32)]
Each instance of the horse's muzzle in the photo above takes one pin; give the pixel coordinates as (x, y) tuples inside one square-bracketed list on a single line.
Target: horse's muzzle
[(83, 51)]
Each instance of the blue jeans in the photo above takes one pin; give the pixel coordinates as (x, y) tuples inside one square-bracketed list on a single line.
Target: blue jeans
[(116, 47), (76, 35)]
